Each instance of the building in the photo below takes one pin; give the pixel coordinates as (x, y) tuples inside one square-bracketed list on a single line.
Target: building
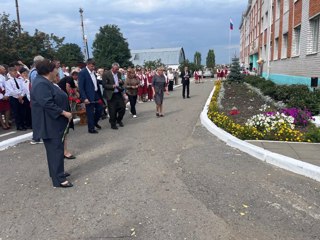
[(171, 57), (284, 36)]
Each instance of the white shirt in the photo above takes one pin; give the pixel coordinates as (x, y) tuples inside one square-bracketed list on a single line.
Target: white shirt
[(12, 90), (2, 85), (94, 80), (26, 85)]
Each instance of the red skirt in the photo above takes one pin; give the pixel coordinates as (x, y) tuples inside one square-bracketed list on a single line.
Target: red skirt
[(4, 105)]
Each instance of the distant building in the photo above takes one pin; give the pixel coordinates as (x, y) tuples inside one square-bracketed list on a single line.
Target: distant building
[(290, 54), (171, 57)]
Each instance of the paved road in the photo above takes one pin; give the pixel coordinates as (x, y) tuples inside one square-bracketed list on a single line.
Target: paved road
[(156, 178)]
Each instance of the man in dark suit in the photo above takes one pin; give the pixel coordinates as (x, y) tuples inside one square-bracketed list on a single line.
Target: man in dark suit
[(113, 88), (90, 94), (185, 75)]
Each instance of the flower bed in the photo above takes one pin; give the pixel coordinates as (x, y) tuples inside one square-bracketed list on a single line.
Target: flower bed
[(246, 116)]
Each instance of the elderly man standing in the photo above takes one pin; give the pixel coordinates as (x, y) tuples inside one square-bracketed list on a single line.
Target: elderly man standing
[(90, 94), (113, 88)]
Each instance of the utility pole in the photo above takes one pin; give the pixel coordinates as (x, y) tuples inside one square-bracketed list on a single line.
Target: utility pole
[(18, 17), (84, 37)]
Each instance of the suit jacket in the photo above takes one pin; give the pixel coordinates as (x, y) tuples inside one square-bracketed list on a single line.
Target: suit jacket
[(47, 104), (183, 75), (108, 82), (86, 86)]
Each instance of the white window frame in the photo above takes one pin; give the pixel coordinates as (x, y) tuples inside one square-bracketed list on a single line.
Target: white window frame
[(314, 28), (276, 48), (284, 46), (296, 40)]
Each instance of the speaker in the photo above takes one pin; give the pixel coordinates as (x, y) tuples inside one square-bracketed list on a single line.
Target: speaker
[(314, 82)]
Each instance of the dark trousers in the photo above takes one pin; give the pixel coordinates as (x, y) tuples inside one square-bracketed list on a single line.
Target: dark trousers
[(28, 119), (55, 157), (19, 111), (116, 108), (185, 84), (133, 101), (170, 86), (94, 112)]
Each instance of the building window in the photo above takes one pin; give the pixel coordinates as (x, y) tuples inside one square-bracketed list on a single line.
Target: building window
[(296, 41), (285, 6), (284, 45), (314, 27), (276, 47), (278, 10)]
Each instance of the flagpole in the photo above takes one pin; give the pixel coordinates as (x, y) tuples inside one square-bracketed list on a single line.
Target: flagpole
[(229, 44)]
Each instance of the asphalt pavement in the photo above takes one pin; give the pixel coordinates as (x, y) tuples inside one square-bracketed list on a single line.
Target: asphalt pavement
[(156, 178)]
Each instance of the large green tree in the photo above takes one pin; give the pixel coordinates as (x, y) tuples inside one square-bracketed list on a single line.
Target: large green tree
[(153, 64), (211, 59), (70, 54), (24, 47), (235, 74), (197, 58), (110, 46)]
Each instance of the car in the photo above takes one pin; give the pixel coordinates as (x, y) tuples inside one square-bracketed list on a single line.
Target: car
[(207, 73)]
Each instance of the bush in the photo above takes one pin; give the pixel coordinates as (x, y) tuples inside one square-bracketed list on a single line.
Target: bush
[(296, 95), (313, 134)]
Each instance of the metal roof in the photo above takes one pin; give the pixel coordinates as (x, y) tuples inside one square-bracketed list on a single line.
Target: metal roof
[(168, 56)]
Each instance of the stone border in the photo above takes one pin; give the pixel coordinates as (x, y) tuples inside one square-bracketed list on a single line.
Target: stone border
[(21, 138), (290, 164)]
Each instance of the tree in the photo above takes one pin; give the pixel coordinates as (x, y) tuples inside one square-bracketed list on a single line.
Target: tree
[(153, 64), (70, 54), (235, 74), (191, 66), (211, 59), (110, 46), (197, 58), (24, 47)]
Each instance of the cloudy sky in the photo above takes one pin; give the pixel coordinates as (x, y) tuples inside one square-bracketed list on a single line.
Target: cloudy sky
[(195, 25)]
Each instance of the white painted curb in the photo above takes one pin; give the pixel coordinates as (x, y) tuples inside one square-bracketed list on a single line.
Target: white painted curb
[(22, 138), (290, 164)]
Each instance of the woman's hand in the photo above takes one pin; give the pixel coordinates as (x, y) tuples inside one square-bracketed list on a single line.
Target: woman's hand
[(67, 115)]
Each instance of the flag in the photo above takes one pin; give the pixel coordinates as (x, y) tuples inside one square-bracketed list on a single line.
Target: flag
[(231, 24)]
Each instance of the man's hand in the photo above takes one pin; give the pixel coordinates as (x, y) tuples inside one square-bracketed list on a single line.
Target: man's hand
[(86, 101)]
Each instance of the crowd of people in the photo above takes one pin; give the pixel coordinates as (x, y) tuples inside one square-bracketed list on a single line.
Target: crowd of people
[(47, 96)]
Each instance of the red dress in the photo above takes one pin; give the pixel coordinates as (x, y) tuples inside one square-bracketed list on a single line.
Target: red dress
[(149, 80), (141, 85), (4, 104)]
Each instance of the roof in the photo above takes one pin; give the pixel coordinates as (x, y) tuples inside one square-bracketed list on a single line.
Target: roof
[(168, 56)]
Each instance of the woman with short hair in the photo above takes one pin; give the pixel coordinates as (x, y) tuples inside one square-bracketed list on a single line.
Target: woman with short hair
[(159, 86), (50, 119)]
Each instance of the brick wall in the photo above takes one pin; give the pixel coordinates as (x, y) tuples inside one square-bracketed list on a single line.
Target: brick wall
[(314, 7)]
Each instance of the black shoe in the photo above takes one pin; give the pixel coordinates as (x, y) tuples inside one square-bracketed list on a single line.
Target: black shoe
[(21, 129), (121, 124), (188, 97), (66, 185), (66, 174), (97, 126), (114, 127), (184, 97), (93, 131), (157, 114), (70, 157)]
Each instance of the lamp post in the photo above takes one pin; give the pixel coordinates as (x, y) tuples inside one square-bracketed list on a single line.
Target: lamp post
[(84, 37), (18, 17), (86, 42)]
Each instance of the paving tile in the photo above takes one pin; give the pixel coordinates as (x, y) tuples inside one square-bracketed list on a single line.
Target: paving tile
[(306, 147)]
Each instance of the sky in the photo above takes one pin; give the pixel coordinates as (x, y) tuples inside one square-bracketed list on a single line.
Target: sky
[(195, 25)]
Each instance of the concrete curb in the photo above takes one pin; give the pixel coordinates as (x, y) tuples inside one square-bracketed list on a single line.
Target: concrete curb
[(22, 138), (290, 164)]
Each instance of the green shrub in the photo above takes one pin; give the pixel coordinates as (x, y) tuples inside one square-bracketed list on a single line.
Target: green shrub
[(313, 134)]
